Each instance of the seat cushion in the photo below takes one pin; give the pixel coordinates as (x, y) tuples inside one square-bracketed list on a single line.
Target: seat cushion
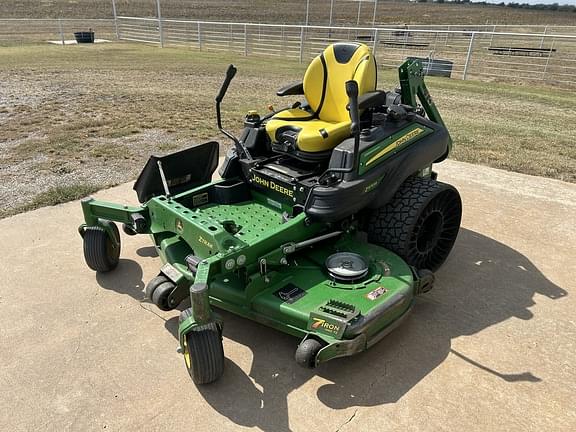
[(328, 73), (312, 135), (327, 121)]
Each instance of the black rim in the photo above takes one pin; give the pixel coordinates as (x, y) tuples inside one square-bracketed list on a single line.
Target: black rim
[(429, 231), (112, 250), (436, 230)]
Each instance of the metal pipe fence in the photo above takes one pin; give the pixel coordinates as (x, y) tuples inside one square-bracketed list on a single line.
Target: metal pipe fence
[(28, 30), (463, 52), (540, 29)]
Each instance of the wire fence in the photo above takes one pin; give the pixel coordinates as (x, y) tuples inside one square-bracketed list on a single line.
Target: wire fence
[(460, 52)]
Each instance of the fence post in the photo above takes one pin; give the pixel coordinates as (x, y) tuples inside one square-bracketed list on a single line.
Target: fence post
[(374, 15), (543, 36), (307, 10), (331, 16), (245, 40), (492, 35), (160, 30), (199, 37), (469, 55), (61, 31), (375, 42), (301, 44), (115, 19), (548, 59), (229, 37), (358, 18)]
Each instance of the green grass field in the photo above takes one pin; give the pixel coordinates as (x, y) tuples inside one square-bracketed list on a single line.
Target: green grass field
[(80, 118)]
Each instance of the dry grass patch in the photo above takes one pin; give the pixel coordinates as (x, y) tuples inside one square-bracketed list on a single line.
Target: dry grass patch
[(280, 11), (92, 115), (58, 195)]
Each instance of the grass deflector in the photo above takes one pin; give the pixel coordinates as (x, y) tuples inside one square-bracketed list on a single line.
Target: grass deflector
[(326, 224)]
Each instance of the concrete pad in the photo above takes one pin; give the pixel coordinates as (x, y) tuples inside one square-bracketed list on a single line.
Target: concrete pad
[(73, 41), (492, 347)]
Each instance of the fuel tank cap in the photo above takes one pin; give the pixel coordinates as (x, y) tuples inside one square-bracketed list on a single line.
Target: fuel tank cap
[(346, 266)]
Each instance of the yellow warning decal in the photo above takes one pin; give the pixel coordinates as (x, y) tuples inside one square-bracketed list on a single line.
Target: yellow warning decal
[(395, 144)]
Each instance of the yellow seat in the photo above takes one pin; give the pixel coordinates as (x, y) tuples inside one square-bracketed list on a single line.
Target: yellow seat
[(326, 123)]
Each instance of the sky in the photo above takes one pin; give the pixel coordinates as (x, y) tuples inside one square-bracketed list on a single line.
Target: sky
[(561, 2)]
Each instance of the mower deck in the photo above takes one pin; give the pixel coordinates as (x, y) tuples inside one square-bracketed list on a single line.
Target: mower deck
[(302, 299), (294, 293), (291, 291)]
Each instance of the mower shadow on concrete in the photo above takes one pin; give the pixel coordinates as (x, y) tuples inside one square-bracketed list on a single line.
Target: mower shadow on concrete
[(130, 281), (483, 283), (147, 252), (127, 277)]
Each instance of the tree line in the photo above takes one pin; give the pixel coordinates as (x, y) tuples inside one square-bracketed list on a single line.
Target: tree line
[(514, 5)]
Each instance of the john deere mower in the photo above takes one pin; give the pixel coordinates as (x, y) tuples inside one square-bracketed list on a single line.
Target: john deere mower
[(326, 223)]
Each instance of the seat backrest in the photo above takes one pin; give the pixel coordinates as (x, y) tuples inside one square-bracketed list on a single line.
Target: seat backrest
[(325, 79)]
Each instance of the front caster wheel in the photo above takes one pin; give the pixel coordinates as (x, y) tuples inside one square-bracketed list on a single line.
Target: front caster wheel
[(158, 290), (306, 353), (101, 252), (204, 353), (128, 230)]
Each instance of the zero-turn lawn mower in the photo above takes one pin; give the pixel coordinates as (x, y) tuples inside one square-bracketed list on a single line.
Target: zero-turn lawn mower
[(326, 223)]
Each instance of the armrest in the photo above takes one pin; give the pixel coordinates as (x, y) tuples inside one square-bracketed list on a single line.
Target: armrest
[(296, 88), (372, 99)]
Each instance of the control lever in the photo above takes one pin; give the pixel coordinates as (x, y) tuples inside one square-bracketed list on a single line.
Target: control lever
[(352, 92), (230, 73), (240, 148)]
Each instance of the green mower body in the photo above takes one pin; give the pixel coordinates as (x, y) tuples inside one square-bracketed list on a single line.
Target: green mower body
[(332, 251)]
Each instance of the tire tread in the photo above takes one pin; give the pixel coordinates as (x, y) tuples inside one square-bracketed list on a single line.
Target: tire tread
[(96, 250), (206, 352), (391, 225)]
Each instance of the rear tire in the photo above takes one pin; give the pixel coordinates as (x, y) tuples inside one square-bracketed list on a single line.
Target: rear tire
[(204, 353), (101, 253), (420, 223)]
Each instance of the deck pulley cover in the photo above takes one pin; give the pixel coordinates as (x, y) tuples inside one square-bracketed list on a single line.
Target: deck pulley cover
[(346, 266)]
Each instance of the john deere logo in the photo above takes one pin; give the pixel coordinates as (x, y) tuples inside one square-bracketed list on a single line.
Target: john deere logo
[(179, 225), (322, 324), (270, 184)]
